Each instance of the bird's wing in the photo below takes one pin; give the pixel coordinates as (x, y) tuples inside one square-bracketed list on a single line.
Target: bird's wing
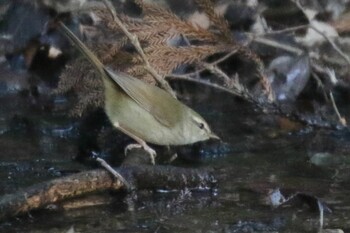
[(153, 99), (166, 109)]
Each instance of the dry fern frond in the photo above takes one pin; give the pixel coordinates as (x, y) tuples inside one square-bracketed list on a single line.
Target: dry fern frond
[(92, 100), (83, 80), (156, 22), (123, 60), (90, 92), (217, 20), (267, 88), (137, 71), (157, 17), (250, 55), (165, 59), (72, 75), (159, 32), (108, 51)]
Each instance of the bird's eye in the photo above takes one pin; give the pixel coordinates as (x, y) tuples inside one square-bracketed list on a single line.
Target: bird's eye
[(201, 125)]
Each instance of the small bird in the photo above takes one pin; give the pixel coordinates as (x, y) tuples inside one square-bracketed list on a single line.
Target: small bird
[(145, 112)]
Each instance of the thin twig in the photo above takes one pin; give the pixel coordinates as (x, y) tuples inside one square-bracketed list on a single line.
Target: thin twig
[(216, 62), (320, 84), (277, 44), (203, 82), (228, 55), (218, 72), (290, 29), (136, 43), (331, 42), (340, 118), (116, 174)]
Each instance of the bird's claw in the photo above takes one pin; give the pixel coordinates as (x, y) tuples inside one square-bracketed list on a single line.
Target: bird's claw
[(152, 153)]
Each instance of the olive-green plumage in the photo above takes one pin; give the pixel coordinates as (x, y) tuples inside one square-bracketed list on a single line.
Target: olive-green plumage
[(143, 111)]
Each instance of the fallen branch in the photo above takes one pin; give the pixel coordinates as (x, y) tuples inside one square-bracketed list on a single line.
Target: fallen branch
[(142, 177)]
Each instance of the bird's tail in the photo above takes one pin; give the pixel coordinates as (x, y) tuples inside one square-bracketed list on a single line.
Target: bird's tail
[(82, 48)]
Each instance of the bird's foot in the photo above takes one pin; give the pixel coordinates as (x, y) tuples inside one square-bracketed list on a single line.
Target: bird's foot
[(152, 153)]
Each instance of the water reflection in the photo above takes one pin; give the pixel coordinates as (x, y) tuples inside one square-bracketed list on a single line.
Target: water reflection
[(256, 156)]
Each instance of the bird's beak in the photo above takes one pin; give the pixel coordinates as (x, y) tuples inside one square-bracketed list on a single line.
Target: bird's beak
[(214, 136)]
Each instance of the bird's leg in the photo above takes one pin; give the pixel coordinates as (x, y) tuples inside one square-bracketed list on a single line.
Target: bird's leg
[(141, 143)]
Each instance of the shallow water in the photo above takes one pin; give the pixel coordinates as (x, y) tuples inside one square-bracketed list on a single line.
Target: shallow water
[(259, 157)]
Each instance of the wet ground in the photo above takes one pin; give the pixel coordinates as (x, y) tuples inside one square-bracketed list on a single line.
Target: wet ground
[(259, 155)]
